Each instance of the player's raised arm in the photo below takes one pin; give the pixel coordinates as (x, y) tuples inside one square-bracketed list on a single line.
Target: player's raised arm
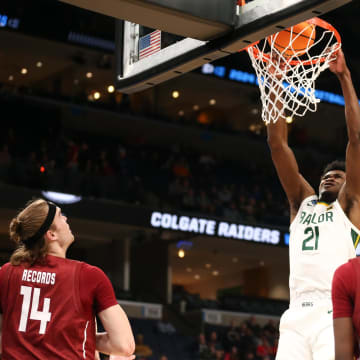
[(295, 186), (352, 115)]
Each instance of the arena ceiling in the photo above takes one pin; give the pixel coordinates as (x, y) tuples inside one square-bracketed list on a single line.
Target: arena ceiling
[(65, 66)]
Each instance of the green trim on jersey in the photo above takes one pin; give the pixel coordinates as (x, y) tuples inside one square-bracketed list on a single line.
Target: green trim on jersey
[(322, 203), (355, 238)]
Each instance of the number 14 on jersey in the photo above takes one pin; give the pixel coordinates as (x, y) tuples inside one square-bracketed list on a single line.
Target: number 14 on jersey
[(43, 316)]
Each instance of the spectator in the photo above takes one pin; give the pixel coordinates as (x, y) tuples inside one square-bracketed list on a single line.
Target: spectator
[(5, 157), (165, 327), (253, 325), (203, 351), (214, 341), (219, 354), (250, 356), (142, 350), (181, 168), (233, 355), (188, 200), (232, 335), (264, 348)]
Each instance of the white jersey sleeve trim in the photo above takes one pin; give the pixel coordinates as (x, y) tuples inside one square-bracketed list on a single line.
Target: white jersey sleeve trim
[(309, 198)]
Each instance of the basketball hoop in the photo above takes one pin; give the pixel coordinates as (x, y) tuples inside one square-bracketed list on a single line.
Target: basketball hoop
[(296, 61)]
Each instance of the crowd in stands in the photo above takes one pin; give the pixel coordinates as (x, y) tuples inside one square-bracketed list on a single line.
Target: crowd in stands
[(135, 172), (245, 340)]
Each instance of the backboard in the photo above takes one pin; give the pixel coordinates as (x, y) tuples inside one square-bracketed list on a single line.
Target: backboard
[(147, 56)]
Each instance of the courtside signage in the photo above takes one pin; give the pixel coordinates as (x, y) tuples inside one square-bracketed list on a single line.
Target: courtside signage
[(212, 227)]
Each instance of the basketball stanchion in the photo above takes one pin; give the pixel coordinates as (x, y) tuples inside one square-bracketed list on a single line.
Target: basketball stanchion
[(297, 56)]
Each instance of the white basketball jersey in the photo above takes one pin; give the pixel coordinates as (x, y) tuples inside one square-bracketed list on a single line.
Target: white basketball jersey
[(321, 239)]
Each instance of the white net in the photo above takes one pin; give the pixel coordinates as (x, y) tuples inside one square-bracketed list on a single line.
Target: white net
[(287, 75)]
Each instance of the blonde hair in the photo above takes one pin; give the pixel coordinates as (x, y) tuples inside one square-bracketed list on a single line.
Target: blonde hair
[(24, 225)]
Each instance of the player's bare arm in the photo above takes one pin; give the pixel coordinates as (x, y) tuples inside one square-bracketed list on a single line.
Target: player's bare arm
[(344, 339), (349, 196), (118, 338), (293, 183)]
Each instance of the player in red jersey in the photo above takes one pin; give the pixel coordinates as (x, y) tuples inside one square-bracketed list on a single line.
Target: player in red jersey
[(346, 307), (48, 303)]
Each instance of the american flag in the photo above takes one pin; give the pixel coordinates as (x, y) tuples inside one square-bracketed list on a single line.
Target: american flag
[(149, 44)]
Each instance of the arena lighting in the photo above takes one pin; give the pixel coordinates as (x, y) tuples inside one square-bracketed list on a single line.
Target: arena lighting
[(24, 71), (6, 21), (289, 119), (11, 78), (181, 253), (183, 244), (61, 198), (89, 75), (110, 89), (250, 78), (175, 94), (39, 64)]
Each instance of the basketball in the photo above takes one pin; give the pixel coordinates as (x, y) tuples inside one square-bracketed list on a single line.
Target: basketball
[(295, 41)]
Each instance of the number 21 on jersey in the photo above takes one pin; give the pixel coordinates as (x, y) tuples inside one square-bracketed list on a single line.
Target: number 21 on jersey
[(44, 316), (311, 240)]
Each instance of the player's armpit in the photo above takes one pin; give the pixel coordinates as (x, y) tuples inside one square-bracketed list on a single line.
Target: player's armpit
[(344, 339)]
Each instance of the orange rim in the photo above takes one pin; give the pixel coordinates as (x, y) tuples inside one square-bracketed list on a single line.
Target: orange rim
[(315, 21)]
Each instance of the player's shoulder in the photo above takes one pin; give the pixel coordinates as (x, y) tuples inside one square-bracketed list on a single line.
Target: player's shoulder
[(91, 270), (4, 268), (348, 268)]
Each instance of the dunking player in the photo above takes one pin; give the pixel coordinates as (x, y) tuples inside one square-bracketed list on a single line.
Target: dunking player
[(322, 232), (48, 303), (346, 305)]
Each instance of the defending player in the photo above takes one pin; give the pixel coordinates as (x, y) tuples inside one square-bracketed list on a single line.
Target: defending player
[(346, 304), (48, 303), (322, 232)]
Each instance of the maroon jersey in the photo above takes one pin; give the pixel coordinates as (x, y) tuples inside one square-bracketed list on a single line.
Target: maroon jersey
[(48, 313), (346, 294)]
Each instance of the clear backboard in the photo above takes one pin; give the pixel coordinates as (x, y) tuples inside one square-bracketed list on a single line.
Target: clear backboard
[(147, 56)]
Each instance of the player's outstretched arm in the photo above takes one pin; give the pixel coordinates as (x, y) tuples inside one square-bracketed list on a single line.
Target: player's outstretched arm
[(118, 338), (352, 115), (293, 183)]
